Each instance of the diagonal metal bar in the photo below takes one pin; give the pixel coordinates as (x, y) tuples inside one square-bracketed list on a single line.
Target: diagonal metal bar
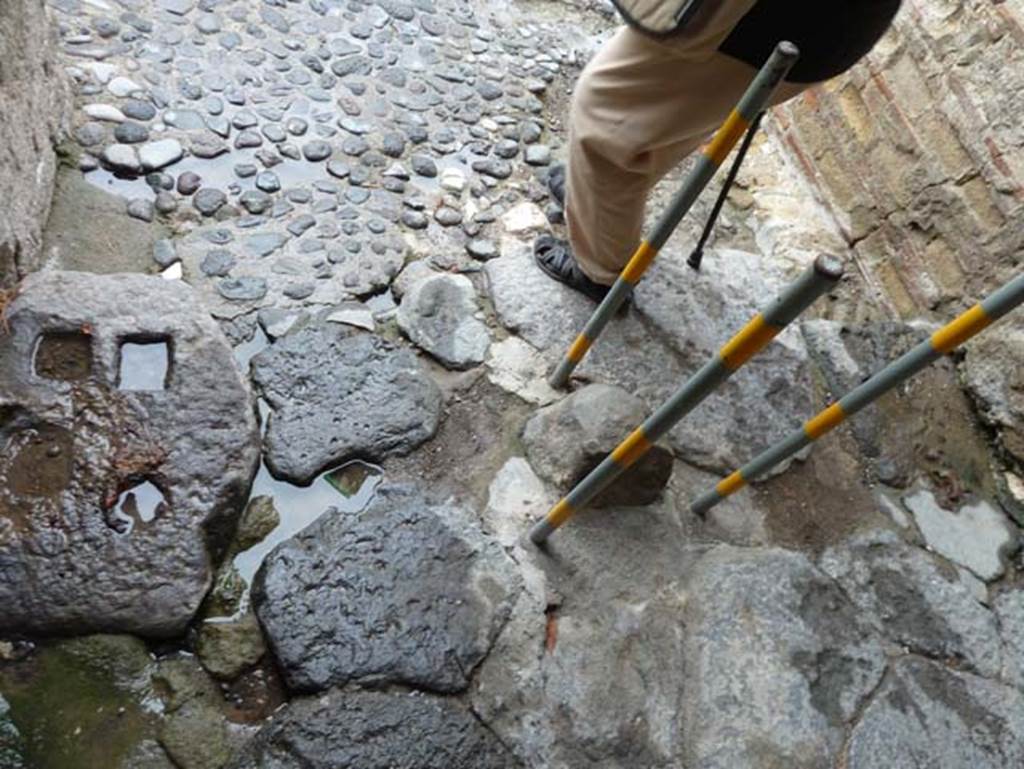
[(697, 255), (753, 102), (927, 352), (750, 340)]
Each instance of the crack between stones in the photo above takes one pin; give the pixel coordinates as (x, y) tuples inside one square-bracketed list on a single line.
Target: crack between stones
[(854, 722)]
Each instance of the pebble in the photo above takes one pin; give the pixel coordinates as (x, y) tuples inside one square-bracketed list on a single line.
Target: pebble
[(300, 224), (122, 157), (265, 244), (316, 150), (105, 112), (217, 263), (506, 148), (255, 201), (273, 132), (139, 208), (268, 181), (453, 180), (105, 27), (90, 134), (185, 119), (189, 182), (482, 249), (296, 126), (160, 154), (497, 169), (165, 202), (131, 133), (393, 144), (247, 139), (423, 165), (122, 87), (338, 169), (489, 91), (164, 253), (138, 110), (207, 146), (178, 7), (208, 200), (208, 24), (529, 132), (414, 220), (538, 155), (354, 146), (448, 217), (244, 119), (242, 289), (158, 180), (299, 291)]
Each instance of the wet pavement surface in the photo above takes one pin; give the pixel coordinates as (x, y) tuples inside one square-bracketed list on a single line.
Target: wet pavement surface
[(351, 188)]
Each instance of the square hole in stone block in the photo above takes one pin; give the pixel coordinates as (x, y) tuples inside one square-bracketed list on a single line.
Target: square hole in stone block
[(144, 364), (63, 355)]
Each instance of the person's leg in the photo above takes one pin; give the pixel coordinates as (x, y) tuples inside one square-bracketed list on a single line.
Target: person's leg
[(640, 107)]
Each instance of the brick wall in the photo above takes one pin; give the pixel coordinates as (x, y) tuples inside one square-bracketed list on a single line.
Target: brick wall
[(918, 154)]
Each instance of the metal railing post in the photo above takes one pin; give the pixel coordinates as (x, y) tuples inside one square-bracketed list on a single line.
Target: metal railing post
[(753, 102), (946, 339), (697, 255), (750, 340)]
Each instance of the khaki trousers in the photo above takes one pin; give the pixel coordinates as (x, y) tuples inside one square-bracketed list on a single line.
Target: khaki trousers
[(639, 108)]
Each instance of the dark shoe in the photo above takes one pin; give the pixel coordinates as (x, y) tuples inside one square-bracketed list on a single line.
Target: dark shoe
[(556, 184), (555, 258)]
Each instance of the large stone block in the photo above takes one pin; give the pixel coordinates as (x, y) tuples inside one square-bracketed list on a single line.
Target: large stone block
[(337, 395), (129, 444), (373, 730), (34, 103), (569, 439), (409, 592)]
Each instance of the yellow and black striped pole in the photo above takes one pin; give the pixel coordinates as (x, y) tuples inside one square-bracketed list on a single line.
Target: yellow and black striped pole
[(946, 339), (750, 340), (753, 102)]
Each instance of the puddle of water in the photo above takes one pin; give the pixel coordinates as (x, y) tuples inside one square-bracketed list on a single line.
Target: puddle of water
[(138, 504), (70, 713), (64, 356), (348, 488), (432, 185), (41, 461), (144, 366), (128, 187)]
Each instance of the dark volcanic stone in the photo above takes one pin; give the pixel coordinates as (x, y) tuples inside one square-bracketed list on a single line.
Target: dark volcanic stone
[(337, 396), (328, 607), (374, 730), (71, 559)]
